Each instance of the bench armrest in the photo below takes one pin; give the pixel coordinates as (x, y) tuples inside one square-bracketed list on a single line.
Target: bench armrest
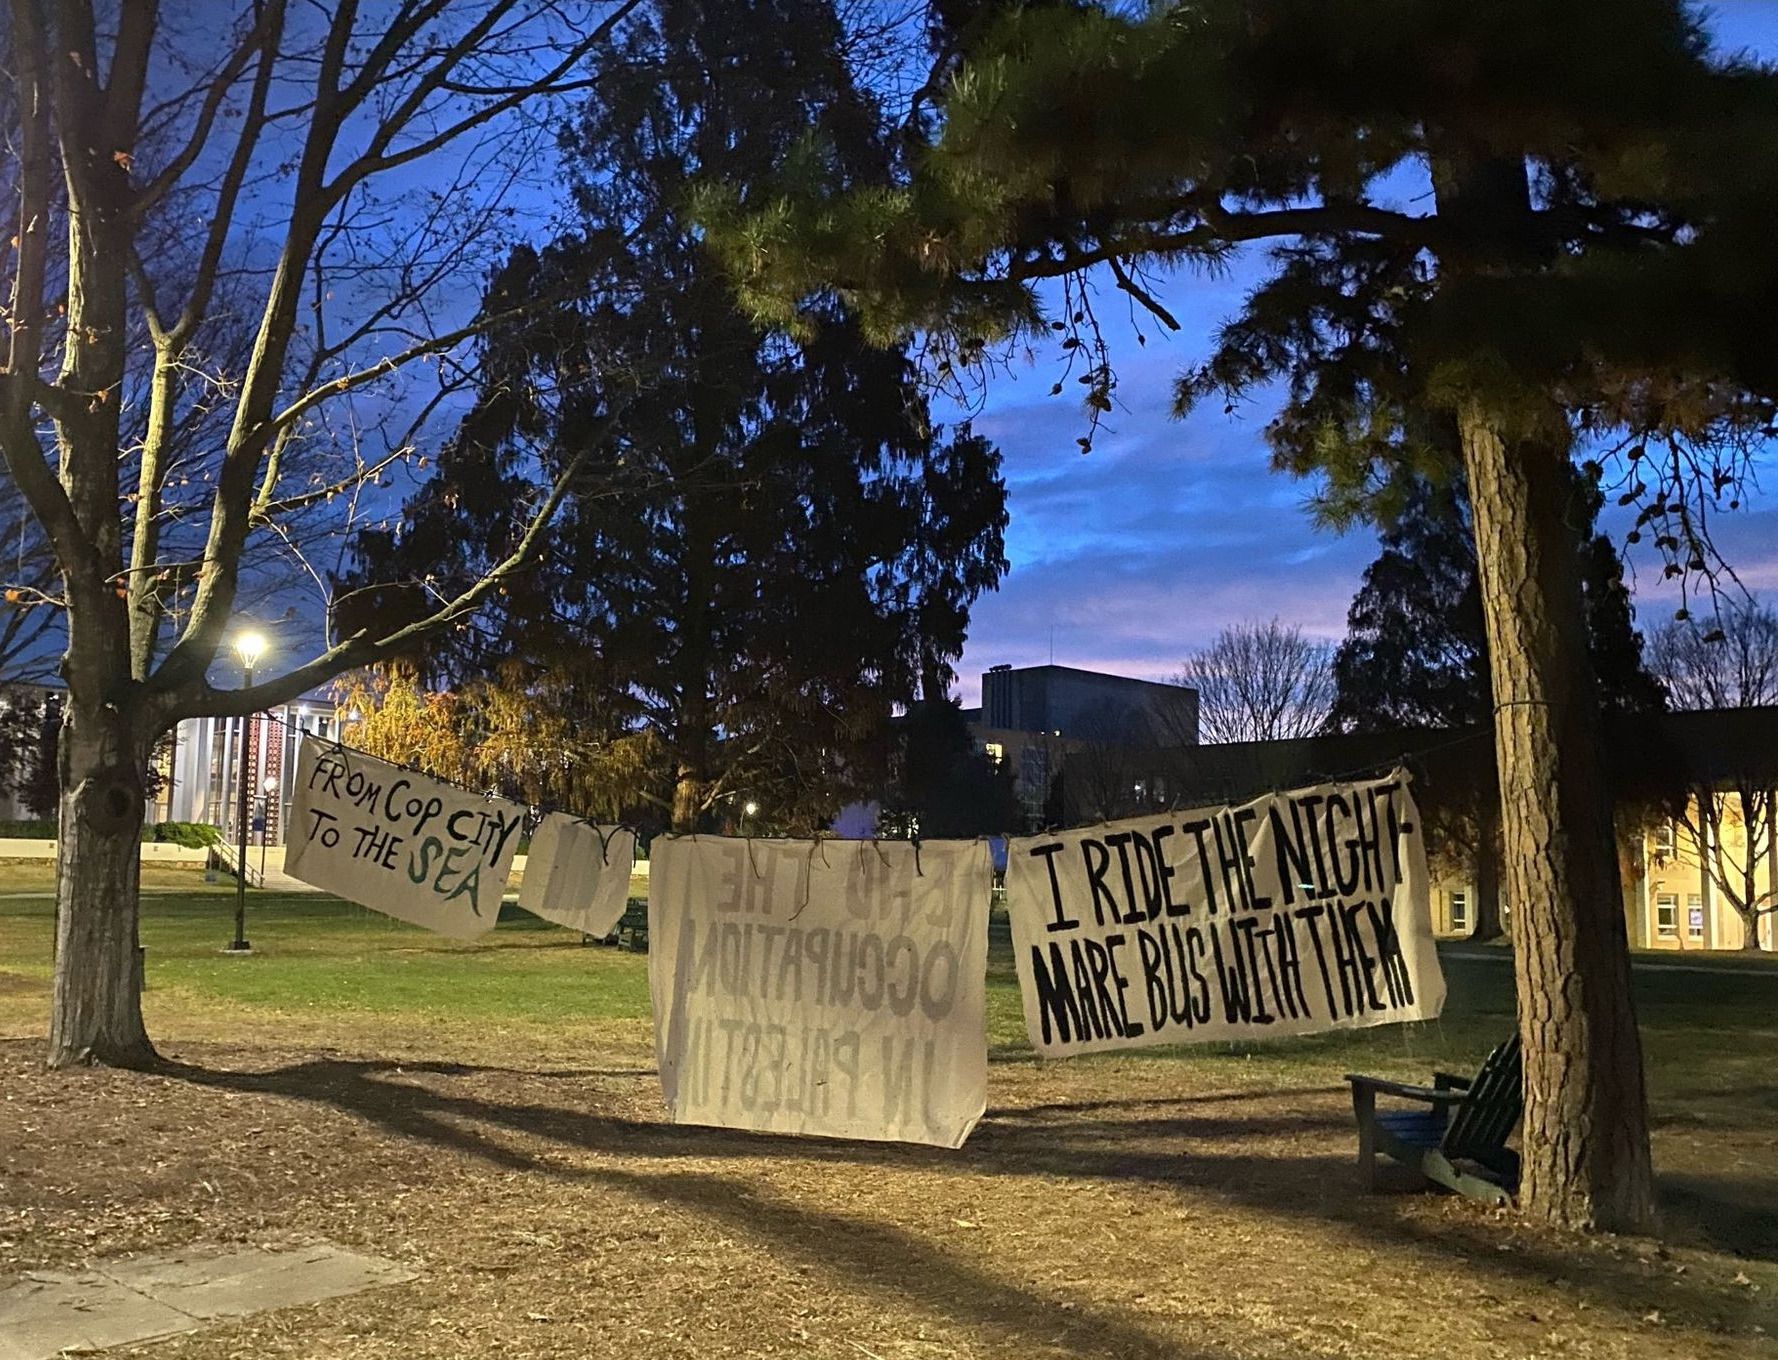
[(1430, 1095)]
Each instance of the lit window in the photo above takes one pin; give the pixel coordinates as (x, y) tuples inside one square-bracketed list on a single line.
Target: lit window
[(1694, 916), (994, 751), (1667, 915), (1460, 910)]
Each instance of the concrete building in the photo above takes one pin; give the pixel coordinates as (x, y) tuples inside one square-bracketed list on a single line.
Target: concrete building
[(200, 763), (201, 768), (1031, 717)]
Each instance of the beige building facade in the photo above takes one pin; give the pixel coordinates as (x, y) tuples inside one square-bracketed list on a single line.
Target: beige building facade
[(1703, 872), (1685, 881)]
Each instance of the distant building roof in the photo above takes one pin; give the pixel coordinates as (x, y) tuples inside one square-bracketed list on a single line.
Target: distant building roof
[(1646, 755), (1070, 701)]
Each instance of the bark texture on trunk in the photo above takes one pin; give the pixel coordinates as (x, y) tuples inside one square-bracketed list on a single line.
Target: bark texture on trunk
[(688, 799), (1586, 1157), (96, 1007)]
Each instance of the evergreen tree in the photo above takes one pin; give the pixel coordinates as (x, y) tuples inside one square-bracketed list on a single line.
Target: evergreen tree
[(40, 789), (1592, 250), (944, 788), (1416, 655), (18, 737), (1415, 652), (778, 546)]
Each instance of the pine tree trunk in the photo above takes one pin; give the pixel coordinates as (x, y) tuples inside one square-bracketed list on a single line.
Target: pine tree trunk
[(691, 764), (1586, 1157), (688, 799), (96, 1009), (1487, 874)]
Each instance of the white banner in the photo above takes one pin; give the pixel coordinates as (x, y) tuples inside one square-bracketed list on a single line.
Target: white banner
[(399, 842), (578, 874), (1295, 913), (829, 988)]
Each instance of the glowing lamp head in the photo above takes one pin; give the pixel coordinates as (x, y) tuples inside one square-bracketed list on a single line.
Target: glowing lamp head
[(750, 808), (250, 646)]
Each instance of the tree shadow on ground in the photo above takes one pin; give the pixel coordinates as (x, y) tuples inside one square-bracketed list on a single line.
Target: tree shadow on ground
[(878, 1257), (1717, 1210), (885, 1259), (1068, 1107), (1308, 1186)]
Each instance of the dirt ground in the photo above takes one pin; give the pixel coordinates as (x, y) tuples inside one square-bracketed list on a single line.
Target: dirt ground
[(1123, 1207)]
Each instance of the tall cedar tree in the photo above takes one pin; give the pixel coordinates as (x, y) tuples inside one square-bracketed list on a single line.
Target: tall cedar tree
[(778, 546), (945, 788), (1415, 652), (1522, 216)]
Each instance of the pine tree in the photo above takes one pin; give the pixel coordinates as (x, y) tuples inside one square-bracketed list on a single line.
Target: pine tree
[(944, 788), (1519, 218), (1415, 652), (40, 788), (778, 546), (1416, 655)]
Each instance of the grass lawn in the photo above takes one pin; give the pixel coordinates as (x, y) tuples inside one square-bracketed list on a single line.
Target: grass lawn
[(488, 1113)]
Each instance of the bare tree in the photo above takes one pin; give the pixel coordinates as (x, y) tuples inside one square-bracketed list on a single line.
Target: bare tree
[(1260, 682), (1109, 769), (1731, 665), (355, 167), (1733, 825)]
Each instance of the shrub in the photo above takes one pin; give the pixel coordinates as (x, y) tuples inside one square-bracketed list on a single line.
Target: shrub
[(193, 835)]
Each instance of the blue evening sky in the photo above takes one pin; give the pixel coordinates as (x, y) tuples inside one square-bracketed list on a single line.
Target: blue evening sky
[(1134, 555)]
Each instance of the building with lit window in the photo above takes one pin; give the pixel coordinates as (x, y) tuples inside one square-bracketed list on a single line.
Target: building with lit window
[(201, 768), (1032, 717), (1696, 793), (199, 764), (1708, 870)]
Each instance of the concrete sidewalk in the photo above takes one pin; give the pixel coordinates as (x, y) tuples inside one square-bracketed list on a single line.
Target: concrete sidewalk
[(116, 1302)]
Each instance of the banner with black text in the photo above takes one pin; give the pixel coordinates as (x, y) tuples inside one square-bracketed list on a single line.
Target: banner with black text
[(1295, 913), (831, 988), (400, 843)]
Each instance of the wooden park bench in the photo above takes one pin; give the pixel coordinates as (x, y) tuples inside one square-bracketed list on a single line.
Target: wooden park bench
[(632, 929), (1459, 1142)]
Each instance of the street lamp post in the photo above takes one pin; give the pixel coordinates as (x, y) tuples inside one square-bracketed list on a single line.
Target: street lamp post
[(249, 647), (748, 809)]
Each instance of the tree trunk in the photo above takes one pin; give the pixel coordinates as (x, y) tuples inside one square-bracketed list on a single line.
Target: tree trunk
[(1750, 874), (96, 1009), (1486, 911), (1750, 932), (688, 798), (1586, 1157)]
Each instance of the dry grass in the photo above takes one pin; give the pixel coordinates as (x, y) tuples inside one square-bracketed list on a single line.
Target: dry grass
[(1197, 1205)]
